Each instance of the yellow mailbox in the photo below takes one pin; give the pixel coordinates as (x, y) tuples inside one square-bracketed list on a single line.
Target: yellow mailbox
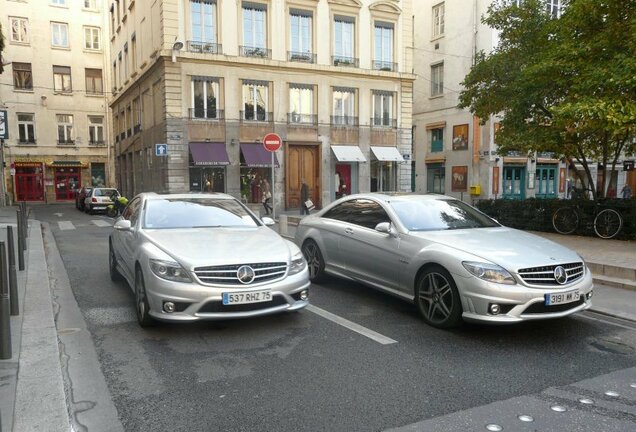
[(475, 189)]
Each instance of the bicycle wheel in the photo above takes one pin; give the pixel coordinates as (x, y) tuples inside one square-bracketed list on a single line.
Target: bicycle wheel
[(608, 223), (565, 220)]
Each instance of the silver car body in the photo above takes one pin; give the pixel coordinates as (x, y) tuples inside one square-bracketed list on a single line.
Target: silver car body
[(205, 253), (391, 260)]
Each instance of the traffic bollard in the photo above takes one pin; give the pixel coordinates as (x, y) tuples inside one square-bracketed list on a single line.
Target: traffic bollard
[(20, 243), (13, 281), (5, 322)]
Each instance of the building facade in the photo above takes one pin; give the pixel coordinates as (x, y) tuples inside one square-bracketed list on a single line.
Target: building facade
[(454, 154), (53, 91), (197, 84)]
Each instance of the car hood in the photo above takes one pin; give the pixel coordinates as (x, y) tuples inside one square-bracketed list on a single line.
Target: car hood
[(510, 248), (220, 246)]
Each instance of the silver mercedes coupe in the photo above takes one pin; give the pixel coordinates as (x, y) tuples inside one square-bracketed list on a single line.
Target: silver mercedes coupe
[(454, 262), (204, 256)]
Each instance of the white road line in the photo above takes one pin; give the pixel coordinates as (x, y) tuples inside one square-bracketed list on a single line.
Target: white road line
[(102, 223), (66, 225), (351, 325)]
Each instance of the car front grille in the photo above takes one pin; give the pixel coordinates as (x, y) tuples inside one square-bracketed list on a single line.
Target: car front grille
[(542, 308), (228, 274), (217, 306), (545, 275)]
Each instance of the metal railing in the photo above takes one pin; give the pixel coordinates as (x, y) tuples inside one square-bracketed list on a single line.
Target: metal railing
[(345, 61), (250, 51), (302, 57), (206, 114), (30, 141), (305, 119), (258, 116), (99, 143), (204, 47), (344, 120), (65, 142), (384, 66), (383, 122)]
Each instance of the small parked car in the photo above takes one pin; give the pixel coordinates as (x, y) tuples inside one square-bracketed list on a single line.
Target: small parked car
[(80, 196), (99, 199), (192, 257), (454, 262)]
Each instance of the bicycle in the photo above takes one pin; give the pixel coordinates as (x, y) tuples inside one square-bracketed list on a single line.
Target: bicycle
[(607, 222)]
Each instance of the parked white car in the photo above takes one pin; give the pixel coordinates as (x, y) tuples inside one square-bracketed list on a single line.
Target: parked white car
[(98, 199)]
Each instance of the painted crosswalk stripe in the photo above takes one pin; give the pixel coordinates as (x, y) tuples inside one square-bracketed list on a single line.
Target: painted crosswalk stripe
[(351, 325), (102, 223), (66, 225)]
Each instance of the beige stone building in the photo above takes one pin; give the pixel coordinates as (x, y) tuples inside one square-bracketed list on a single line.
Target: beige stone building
[(52, 89), (197, 84)]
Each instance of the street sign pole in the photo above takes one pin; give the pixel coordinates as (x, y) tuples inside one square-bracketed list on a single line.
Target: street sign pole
[(272, 188), (272, 142)]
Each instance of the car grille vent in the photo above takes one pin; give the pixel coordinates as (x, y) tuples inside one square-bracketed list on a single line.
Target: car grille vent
[(228, 274), (545, 275)]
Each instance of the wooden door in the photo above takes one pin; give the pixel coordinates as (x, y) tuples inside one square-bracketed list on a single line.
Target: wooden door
[(302, 161)]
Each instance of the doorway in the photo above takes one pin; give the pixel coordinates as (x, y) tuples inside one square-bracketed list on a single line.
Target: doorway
[(302, 161), (66, 180)]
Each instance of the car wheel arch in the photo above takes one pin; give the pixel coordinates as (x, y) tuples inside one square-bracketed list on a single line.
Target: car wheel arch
[(423, 268)]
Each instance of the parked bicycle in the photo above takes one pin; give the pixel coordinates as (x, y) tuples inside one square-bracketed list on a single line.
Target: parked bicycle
[(607, 222), (118, 205)]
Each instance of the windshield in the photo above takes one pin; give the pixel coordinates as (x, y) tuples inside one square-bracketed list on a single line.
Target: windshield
[(196, 212), (440, 214), (105, 192)]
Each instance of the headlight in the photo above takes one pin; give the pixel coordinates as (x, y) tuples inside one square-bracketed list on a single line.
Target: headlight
[(298, 264), (489, 272), (169, 270)]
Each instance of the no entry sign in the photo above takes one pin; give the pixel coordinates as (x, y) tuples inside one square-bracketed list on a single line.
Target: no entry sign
[(272, 142)]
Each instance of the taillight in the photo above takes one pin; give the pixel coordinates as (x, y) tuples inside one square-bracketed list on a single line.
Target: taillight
[(93, 199)]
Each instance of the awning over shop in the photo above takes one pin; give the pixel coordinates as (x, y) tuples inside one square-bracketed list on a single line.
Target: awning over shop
[(209, 154), (255, 156), (63, 163), (348, 153), (390, 154)]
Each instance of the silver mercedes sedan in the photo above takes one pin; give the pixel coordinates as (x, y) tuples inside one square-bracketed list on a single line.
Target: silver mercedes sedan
[(454, 262), (204, 256)]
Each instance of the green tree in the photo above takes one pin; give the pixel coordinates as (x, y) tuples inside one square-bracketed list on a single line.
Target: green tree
[(565, 85), (1, 48)]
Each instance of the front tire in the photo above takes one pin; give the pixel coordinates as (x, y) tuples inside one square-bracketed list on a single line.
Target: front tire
[(437, 298), (115, 276), (315, 261), (141, 300)]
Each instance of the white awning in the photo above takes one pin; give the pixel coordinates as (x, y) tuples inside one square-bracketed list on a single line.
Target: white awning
[(348, 153), (387, 154)]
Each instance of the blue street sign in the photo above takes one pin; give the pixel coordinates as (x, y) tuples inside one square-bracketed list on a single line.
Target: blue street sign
[(161, 149)]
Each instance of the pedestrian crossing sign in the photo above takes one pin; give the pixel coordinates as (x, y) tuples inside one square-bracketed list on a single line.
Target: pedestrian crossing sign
[(161, 149)]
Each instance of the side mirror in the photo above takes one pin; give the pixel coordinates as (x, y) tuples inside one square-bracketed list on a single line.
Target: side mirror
[(122, 225), (385, 227), (268, 221)]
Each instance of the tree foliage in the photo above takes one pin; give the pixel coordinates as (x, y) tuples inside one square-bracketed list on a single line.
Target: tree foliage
[(1, 48), (565, 85)]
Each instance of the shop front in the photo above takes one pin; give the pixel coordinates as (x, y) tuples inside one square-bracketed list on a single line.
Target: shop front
[(207, 166), (346, 169), (29, 181), (67, 178), (384, 168), (256, 167)]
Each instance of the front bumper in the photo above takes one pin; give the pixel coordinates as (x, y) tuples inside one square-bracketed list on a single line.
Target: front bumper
[(200, 302), (519, 302)]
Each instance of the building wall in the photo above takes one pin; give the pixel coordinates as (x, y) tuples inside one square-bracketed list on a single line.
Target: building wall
[(44, 102), (171, 123)]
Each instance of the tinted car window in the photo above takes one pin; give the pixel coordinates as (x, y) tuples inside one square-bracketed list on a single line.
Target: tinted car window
[(368, 213), (440, 214), (196, 212), (104, 192), (342, 212), (128, 211)]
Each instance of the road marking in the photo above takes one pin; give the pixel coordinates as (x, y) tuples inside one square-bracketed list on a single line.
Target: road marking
[(605, 321), (351, 325), (58, 214), (102, 223), (66, 225)]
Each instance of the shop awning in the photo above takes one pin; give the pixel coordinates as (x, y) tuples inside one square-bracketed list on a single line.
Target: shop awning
[(390, 154), (255, 156), (348, 153), (63, 163), (209, 154)]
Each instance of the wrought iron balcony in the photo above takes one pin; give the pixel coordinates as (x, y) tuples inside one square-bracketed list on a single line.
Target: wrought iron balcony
[(65, 142), (28, 141), (344, 120), (205, 114), (302, 57), (204, 47), (303, 119), (258, 116), (250, 51), (383, 122), (345, 61), (384, 66)]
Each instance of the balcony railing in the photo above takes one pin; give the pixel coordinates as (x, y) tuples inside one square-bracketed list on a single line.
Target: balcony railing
[(29, 141), (302, 119), (259, 116), (65, 142), (137, 129), (302, 57), (204, 47), (206, 114), (344, 120), (384, 66), (249, 51), (98, 143), (345, 61), (383, 122)]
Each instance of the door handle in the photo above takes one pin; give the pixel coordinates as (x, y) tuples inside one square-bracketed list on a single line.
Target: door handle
[(348, 230)]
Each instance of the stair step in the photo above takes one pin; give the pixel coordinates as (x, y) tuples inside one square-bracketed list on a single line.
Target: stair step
[(627, 284), (613, 271)]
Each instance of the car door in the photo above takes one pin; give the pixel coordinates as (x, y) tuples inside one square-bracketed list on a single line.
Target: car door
[(126, 240), (332, 227), (371, 256)]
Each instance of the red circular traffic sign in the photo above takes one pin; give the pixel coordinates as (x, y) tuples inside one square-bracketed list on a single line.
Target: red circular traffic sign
[(272, 142)]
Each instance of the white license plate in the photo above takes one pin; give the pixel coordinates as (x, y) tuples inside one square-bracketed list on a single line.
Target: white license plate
[(247, 297), (561, 298)]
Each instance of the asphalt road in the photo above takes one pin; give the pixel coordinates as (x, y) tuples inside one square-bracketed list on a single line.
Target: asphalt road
[(305, 372)]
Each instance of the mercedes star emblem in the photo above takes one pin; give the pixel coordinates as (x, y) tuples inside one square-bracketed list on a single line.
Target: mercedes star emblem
[(560, 275), (245, 274)]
